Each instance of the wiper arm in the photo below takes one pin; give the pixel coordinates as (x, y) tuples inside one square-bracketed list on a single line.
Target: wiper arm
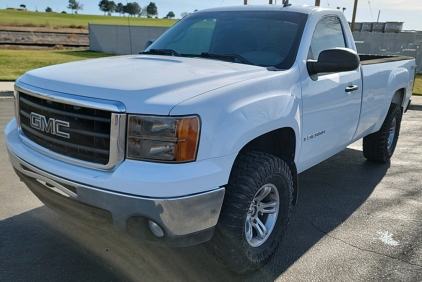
[(232, 57), (163, 52)]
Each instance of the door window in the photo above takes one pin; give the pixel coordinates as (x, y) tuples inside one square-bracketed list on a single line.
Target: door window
[(328, 34)]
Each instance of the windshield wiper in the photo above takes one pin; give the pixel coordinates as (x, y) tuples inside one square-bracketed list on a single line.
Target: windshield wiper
[(163, 52), (232, 57)]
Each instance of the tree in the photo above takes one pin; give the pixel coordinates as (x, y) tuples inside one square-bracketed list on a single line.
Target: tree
[(133, 8), (170, 15), (111, 7), (72, 5), (48, 10), (23, 6), (152, 10), (120, 8), (75, 6), (143, 12), (107, 6), (184, 14), (103, 6), (80, 7)]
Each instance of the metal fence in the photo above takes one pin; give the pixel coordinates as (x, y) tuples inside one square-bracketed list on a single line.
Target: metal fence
[(121, 39), (406, 43)]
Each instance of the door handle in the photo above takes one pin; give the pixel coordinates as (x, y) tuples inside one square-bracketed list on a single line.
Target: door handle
[(352, 88)]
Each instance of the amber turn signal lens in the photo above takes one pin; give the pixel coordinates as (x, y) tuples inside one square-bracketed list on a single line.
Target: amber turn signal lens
[(163, 138), (187, 139)]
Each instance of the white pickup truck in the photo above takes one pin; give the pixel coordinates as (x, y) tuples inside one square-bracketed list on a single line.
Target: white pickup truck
[(201, 137)]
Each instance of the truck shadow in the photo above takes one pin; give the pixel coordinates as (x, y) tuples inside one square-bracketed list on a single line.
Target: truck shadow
[(329, 194), (40, 246), (413, 107)]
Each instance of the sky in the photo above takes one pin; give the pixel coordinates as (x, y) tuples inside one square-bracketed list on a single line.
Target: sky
[(407, 11)]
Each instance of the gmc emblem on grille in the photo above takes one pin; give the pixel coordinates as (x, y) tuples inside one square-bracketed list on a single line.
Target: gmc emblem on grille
[(51, 126)]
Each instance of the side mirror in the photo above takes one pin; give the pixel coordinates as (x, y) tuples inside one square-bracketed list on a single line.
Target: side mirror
[(334, 60), (149, 43)]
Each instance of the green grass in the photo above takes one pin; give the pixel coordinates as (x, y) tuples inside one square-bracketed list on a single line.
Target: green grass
[(13, 17), (14, 63), (417, 89)]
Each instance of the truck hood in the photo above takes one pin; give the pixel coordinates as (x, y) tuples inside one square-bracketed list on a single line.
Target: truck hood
[(145, 84)]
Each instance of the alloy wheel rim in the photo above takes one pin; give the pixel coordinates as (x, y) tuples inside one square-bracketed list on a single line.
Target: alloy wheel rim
[(391, 135), (262, 215)]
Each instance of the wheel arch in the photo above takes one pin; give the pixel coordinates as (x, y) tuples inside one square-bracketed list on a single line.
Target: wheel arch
[(398, 97), (281, 143), (398, 82)]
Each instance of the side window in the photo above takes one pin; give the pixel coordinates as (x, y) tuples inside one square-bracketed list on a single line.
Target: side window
[(328, 34)]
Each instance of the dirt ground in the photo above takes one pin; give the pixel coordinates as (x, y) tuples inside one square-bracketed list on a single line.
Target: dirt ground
[(6, 27)]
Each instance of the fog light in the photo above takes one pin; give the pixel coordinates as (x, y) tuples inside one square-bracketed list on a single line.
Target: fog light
[(155, 229)]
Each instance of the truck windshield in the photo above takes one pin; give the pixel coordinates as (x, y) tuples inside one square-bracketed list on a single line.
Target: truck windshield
[(261, 38)]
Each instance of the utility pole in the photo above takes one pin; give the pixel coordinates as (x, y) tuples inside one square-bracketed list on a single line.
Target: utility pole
[(245, 2), (354, 15), (271, 2), (379, 13), (317, 2)]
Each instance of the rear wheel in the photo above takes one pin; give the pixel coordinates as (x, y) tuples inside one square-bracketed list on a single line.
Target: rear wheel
[(255, 212), (380, 146)]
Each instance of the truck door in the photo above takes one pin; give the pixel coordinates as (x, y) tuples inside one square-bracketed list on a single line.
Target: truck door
[(331, 102)]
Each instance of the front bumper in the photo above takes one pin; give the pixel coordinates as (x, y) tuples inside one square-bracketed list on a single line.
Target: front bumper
[(185, 221)]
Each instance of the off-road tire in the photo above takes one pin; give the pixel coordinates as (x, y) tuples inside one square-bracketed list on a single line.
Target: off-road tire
[(378, 147), (251, 173)]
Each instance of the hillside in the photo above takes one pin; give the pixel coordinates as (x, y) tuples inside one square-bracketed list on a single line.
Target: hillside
[(27, 18)]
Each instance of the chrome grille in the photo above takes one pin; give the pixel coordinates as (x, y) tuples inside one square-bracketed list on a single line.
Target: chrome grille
[(89, 128)]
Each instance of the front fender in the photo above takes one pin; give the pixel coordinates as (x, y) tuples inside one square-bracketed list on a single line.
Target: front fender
[(234, 115)]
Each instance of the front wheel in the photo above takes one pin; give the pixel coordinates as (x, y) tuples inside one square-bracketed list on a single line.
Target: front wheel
[(380, 146), (255, 212)]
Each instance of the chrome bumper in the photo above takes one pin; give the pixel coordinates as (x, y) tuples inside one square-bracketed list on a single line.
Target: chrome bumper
[(186, 220)]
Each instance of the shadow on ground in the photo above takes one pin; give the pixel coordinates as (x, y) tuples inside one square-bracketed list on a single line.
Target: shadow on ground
[(84, 54), (415, 107), (41, 246)]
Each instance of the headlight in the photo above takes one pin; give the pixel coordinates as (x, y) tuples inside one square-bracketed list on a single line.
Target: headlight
[(171, 139)]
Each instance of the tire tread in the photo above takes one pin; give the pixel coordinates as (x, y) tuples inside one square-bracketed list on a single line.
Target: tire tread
[(228, 243), (375, 144)]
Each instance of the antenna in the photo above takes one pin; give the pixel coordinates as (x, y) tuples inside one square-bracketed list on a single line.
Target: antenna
[(130, 33), (287, 4)]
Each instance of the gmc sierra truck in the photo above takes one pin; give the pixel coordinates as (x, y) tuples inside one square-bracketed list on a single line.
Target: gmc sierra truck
[(201, 137)]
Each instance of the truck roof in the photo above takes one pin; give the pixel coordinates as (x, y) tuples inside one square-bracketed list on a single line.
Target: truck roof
[(293, 8)]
